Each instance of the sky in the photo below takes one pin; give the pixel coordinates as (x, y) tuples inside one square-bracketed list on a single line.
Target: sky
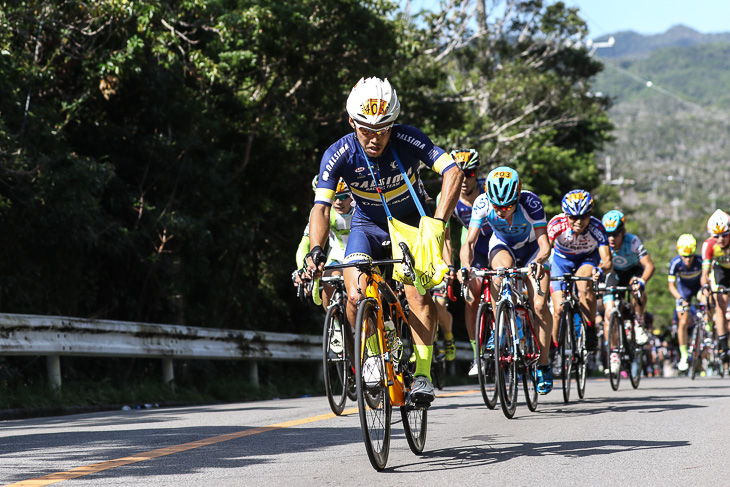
[(642, 16)]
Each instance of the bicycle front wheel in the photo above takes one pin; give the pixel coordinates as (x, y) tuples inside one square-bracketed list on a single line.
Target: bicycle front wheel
[(566, 350), (615, 346), (531, 353), (581, 365), (373, 400), (485, 355), (504, 359), (335, 360)]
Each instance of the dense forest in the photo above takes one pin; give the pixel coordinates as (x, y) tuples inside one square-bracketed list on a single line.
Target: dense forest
[(156, 156)]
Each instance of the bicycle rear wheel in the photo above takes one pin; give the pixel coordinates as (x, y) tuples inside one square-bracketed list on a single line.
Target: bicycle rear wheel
[(636, 359), (334, 360), (485, 357), (694, 352), (615, 345), (504, 359), (581, 370), (373, 400), (566, 349), (531, 353)]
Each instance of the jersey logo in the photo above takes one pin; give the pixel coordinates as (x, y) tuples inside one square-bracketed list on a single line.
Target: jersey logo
[(375, 106)]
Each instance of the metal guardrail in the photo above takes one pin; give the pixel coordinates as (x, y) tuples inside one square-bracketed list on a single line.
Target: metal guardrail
[(56, 336)]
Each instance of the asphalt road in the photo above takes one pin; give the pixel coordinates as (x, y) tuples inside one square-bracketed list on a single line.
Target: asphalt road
[(671, 431)]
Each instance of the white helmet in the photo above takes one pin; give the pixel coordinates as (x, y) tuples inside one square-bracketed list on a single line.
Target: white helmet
[(718, 223), (373, 101)]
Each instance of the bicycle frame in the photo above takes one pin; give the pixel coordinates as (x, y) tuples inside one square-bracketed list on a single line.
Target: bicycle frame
[(511, 291)]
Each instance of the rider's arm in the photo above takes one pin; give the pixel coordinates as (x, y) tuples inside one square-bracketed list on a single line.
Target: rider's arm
[(648, 268), (673, 290), (542, 240), (467, 250), (302, 251), (606, 265), (450, 188), (319, 227)]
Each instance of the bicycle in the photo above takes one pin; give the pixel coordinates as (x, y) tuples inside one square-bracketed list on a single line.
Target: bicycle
[(703, 345), (383, 370), (572, 337), (337, 346), (485, 329), (516, 349), (622, 337)]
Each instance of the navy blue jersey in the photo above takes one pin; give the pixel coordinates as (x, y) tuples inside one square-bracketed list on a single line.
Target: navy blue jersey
[(346, 159)]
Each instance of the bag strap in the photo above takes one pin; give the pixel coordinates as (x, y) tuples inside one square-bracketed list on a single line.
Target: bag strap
[(408, 182), (405, 178)]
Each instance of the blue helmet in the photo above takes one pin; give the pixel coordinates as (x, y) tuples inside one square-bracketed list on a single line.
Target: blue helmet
[(614, 221), (577, 203), (503, 186)]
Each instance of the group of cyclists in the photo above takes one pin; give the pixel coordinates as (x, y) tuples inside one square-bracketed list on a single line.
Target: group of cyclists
[(365, 176)]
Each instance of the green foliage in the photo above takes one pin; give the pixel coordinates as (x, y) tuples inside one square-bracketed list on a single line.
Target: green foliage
[(155, 156)]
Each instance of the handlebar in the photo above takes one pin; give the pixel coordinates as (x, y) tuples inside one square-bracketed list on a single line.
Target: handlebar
[(450, 290)]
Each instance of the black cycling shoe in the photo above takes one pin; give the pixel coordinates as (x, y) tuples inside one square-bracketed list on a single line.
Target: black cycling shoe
[(591, 339)]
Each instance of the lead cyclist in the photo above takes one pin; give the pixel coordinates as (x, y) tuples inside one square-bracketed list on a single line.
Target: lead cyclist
[(366, 160)]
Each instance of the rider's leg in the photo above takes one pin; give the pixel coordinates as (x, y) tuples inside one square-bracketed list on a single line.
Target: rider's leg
[(542, 316)]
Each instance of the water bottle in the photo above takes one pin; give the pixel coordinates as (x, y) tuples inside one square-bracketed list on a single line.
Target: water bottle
[(576, 320), (390, 333)]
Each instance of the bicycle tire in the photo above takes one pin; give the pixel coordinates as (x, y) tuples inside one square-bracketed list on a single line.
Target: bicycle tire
[(335, 363), (529, 372), (581, 371), (504, 359), (636, 359), (415, 418), (485, 357), (373, 401), (615, 332), (565, 349), (694, 354)]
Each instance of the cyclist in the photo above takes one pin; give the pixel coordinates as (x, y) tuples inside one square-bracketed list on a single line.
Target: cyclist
[(368, 160), (685, 273), (632, 265), (340, 221), (520, 237), (580, 246), (471, 187), (716, 271)]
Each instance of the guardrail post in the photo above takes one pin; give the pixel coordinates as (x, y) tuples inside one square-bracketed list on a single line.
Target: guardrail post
[(53, 365), (168, 372), (253, 372)]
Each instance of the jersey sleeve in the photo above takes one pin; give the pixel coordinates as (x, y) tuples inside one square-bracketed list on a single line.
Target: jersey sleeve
[(707, 252), (672, 277), (637, 247), (554, 227), (330, 169), (598, 231), (479, 211), (433, 156), (534, 209)]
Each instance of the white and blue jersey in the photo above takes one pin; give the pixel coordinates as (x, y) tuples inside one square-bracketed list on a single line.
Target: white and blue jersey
[(347, 160), (687, 279), (629, 254), (519, 237)]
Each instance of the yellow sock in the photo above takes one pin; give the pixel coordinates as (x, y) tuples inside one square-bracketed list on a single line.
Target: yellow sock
[(448, 336), (424, 353)]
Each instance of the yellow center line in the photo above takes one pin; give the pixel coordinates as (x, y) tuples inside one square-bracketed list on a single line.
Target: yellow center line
[(161, 452)]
